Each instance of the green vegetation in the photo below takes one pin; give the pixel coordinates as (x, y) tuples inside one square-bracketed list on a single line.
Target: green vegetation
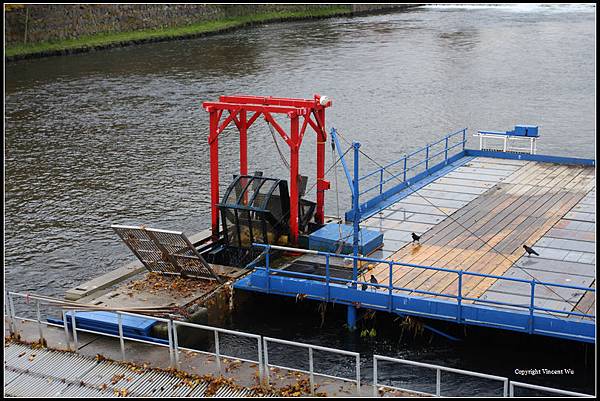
[(122, 38)]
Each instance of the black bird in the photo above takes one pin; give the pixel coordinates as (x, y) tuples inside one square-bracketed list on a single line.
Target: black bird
[(415, 237), (373, 280), (364, 287), (530, 250)]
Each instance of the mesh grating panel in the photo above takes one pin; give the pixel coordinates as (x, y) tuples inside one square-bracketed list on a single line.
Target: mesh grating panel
[(164, 251)]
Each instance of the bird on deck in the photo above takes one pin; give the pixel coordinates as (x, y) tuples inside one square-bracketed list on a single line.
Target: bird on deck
[(415, 237), (364, 286), (373, 280), (530, 251)]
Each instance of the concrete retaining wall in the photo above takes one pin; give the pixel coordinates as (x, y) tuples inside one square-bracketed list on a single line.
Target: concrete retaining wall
[(35, 23)]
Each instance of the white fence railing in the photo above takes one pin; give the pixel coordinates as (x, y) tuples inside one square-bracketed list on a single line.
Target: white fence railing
[(514, 385), (218, 354), (438, 381), (262, 359), (311, 372)]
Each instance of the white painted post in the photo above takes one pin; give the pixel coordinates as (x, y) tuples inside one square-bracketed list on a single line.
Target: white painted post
[(358, 375), (67, 339), (122, 341), (171, 348), (310, 366), (39, 320), (74, 326), (267, 370), (176, 345), (375, 390), (217, 353)]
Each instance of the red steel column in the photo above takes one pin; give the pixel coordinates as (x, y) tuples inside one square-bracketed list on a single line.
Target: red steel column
[(321, 139), (243, 143), (213, 140), (294, 161)]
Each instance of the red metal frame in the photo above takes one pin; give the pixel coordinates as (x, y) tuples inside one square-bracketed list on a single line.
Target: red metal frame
[(238, 108)]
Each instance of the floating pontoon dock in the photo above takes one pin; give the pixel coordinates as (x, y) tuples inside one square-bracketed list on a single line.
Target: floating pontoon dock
[(474, 210)]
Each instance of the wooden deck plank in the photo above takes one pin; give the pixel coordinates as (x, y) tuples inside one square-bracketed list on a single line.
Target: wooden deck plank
[(464, 256), (544, 220), (472, 214), (587, 303), (454, 260), (537, 185)]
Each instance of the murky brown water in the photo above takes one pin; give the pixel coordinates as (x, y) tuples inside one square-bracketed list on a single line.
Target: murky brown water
[(118, 136)]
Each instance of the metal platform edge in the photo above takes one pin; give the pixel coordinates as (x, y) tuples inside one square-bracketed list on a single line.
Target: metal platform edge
[(470, 314), (400, 191)]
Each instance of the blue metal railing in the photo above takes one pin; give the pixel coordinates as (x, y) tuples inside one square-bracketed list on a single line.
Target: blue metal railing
[(408, 167), (460, 274)]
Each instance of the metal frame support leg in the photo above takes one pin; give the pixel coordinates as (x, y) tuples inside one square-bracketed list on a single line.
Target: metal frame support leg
[(351, 319)]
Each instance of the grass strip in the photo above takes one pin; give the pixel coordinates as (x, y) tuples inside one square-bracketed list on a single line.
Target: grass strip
[(106, 40)]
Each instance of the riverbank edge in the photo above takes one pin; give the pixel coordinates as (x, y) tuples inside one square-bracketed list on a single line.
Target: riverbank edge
[(208, 28)]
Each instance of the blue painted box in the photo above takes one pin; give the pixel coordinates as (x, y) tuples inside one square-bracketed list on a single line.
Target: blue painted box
[(526, 130), (328, 239)]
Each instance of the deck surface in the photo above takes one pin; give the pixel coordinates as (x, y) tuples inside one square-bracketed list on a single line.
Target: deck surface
[(477, 217)]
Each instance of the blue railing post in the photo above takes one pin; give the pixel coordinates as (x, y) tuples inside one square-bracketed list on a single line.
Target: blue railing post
[(356, 219), (531, 306), (405, 157), (464, 141), (268, 269), (380, 180), (327, 274), (427, 157), (446, 152), (459, 311), (391, 285), (351, 319)]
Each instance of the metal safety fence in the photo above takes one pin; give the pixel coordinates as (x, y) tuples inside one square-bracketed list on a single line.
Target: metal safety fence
[(311, 372), (71, 330)]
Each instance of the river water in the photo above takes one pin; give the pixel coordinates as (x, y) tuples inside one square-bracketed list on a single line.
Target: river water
[(119, 137)]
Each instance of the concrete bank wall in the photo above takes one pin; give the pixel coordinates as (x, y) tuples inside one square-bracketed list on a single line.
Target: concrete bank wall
[(35, 23)]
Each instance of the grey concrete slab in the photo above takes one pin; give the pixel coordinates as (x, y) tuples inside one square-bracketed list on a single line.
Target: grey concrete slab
[(524, 301), (492, 166), (426, 218), (396, 235), (558, 266), (381, 254), (449, 187), (465, 182), (575, 225), (545, 291), (391, 245), (585, 208), (427, 209), (410, 226), (567, 244), (481, 176), (420, 199), (580, 216), (562, 254), (105, 281), (431, 194), (400, 215), (493, 160), (571, 234), (484, 169), (588, 259)]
